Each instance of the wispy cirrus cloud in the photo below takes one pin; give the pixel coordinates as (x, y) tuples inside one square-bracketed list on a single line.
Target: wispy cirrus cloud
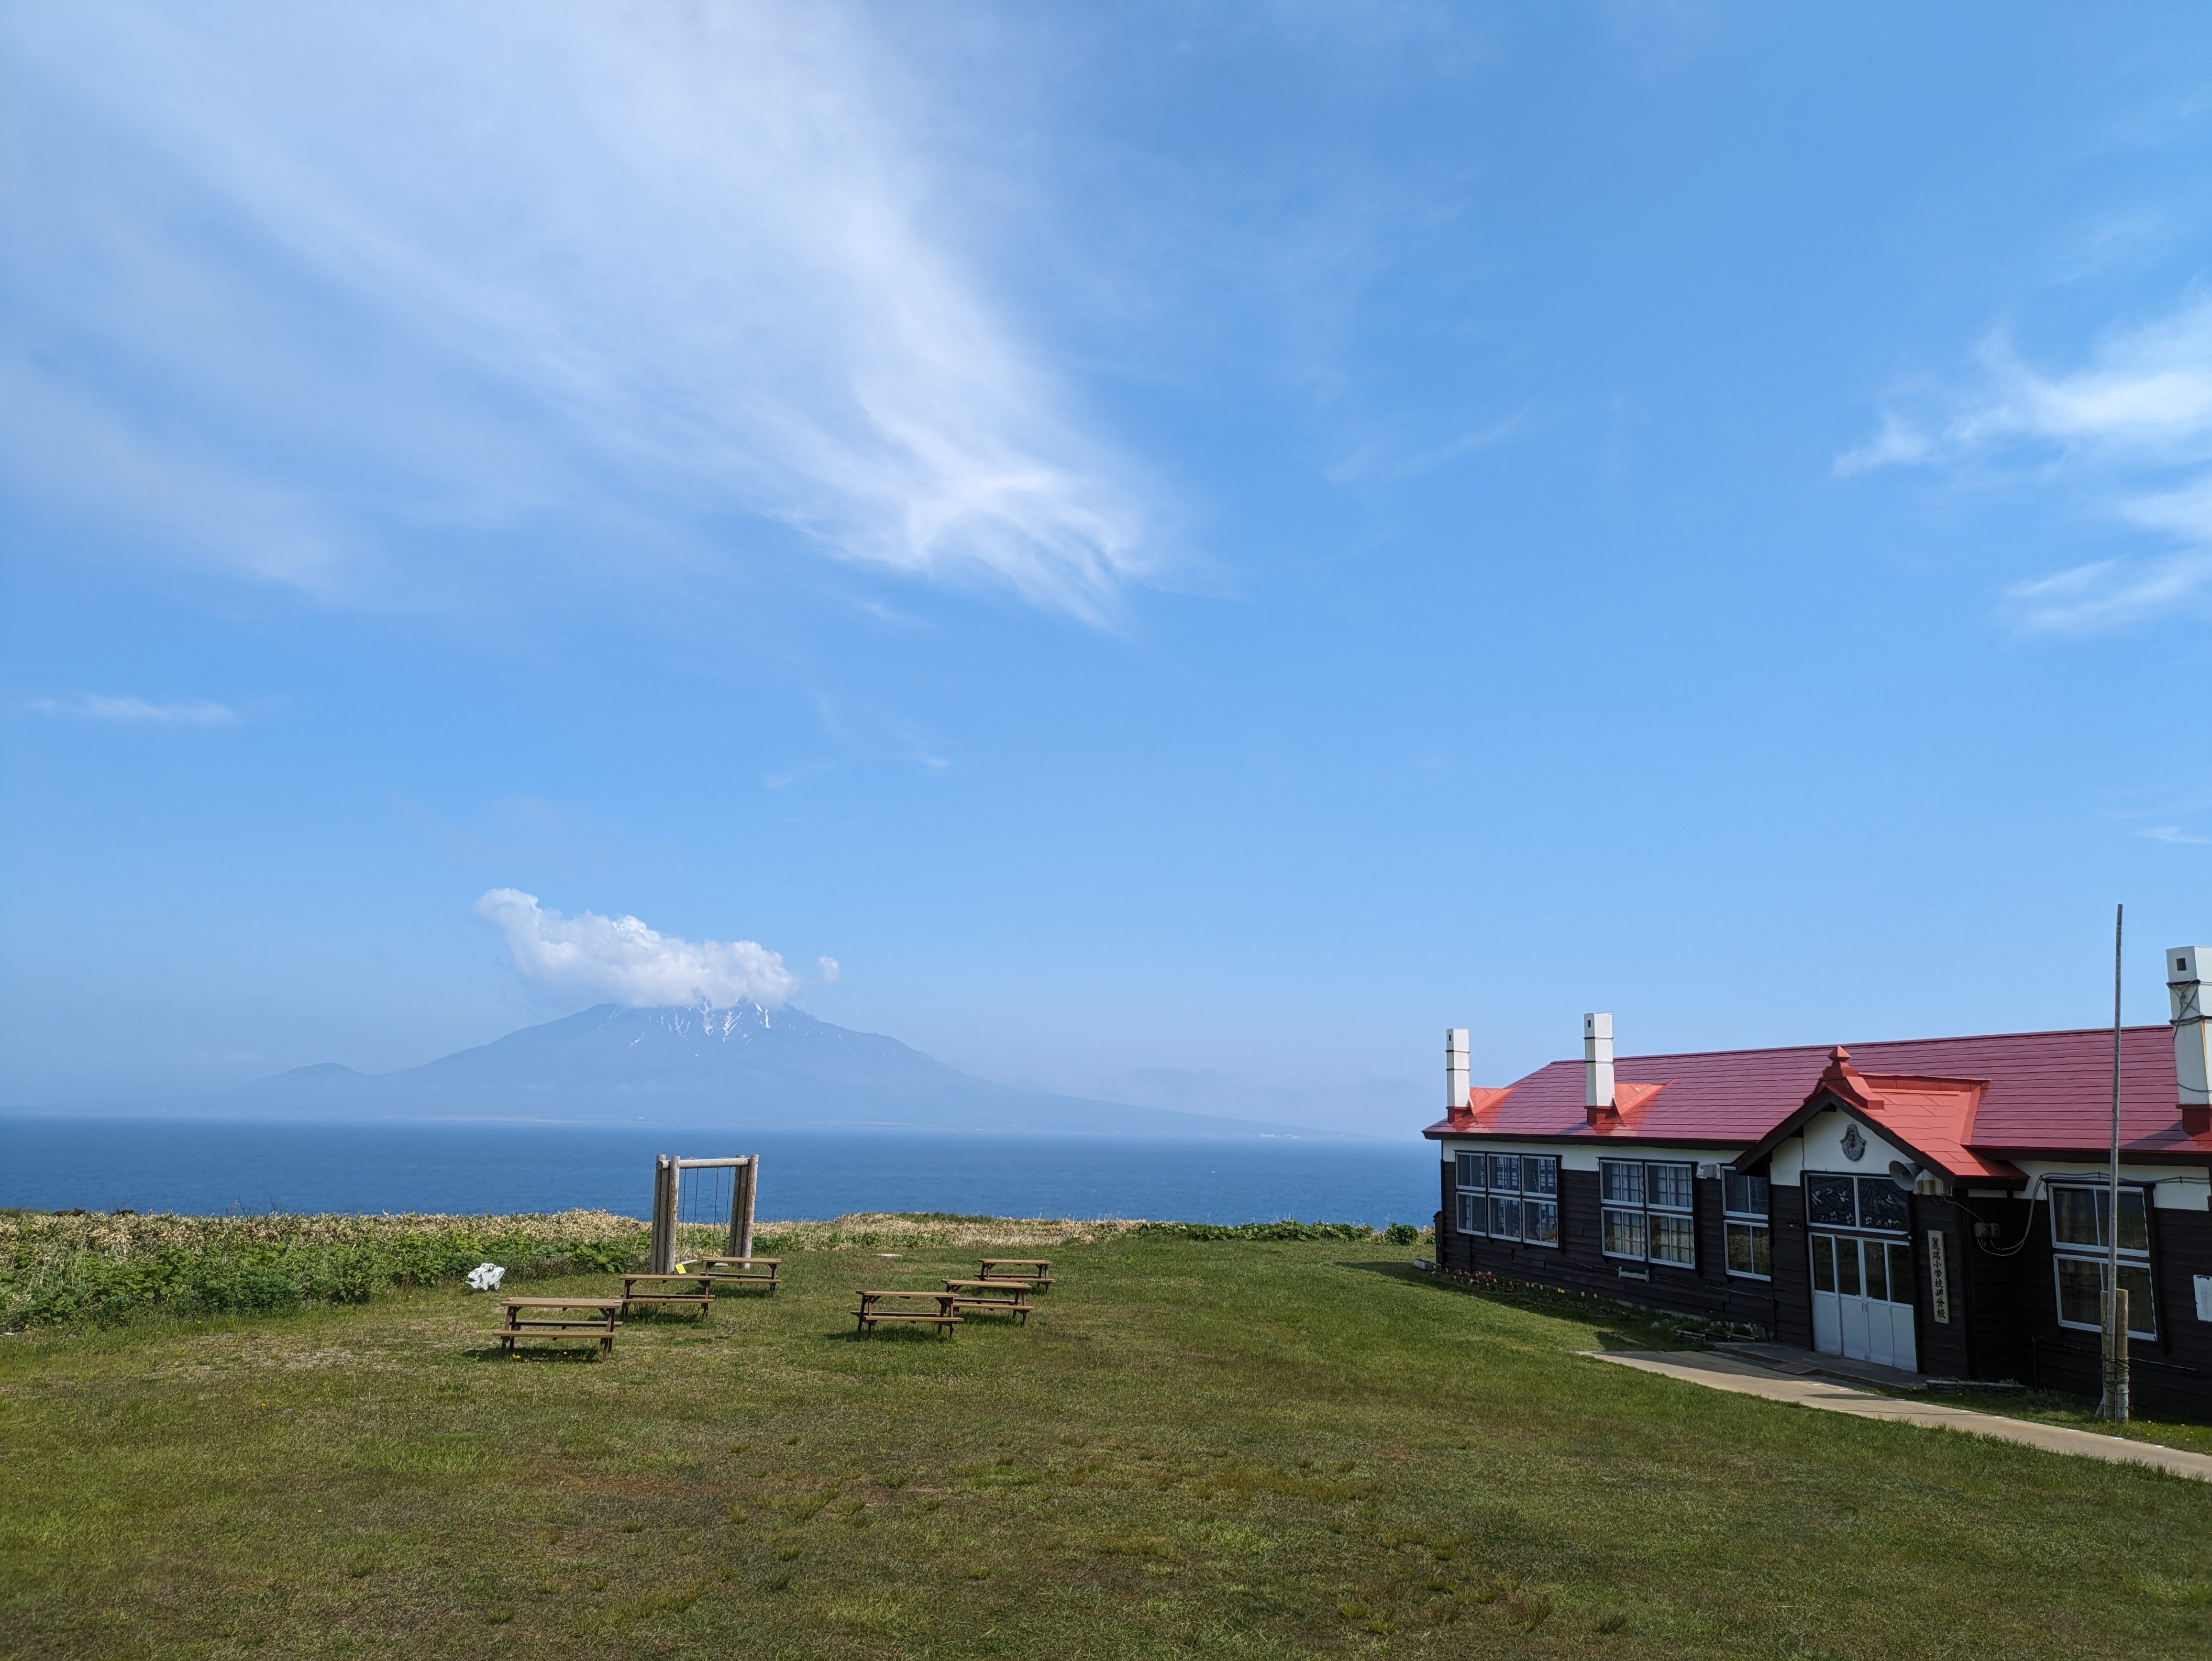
[(1394, 458), (2129, 429), (2108, 594), (2176, 811), (95, 706), (322, 282), (1899, 441)]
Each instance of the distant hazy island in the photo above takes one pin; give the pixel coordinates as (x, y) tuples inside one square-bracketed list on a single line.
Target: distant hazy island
[(743, 1065)]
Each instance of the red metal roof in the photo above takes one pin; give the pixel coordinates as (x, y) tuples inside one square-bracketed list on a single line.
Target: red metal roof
[(1975, 1099)]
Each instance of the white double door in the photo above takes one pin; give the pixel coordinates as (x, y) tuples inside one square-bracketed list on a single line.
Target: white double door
[(1862, 1300)]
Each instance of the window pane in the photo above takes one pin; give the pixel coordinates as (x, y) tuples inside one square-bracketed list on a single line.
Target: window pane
[(1847, 1267), (2133, 1235), (1900, 1274), (1505, 1173), (2081, 1293), (1828, 1200), (1742, 1195), (1539, 1221), (1881, 1203), (1624, 1234), (1669, 1186), (2074, 1216), (1673, 1240), (2078, 1217), (1540, 1175), (1471, 1215), (2142, 1307), (1470, 1170), (1824, 1263), (1877, 1275), (1749, 1250), (1504, 1217), (1622, 1181)]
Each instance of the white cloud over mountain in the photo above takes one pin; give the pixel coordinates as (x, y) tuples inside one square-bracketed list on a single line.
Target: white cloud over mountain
[(589, 959)]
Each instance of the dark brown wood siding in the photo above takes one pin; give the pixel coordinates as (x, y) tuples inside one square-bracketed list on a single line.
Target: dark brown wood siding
[(2171, 1373), (1578, 1264), (2004, 1312), (1997, 1333), (1793, 1269), (1942, 1346)]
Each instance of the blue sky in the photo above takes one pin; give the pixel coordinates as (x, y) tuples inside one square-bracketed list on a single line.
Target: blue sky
[(1161, 554)]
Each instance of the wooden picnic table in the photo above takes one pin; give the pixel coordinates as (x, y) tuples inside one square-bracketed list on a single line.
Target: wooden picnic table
[(700, 1300), (736, 1271), (1037, 1271), (1016, 1302), (600, 1326), (944, 1317)]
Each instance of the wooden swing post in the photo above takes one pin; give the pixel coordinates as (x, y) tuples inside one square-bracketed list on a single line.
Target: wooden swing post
[(742, 1193)]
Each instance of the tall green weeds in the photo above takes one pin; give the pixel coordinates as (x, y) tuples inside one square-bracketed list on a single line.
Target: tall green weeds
[(82, 1268), (90, 1269)]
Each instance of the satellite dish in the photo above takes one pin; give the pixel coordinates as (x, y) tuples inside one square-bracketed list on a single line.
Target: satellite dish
[(1904, 1175)]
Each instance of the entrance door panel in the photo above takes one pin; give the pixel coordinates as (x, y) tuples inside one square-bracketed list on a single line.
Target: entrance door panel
[(1862, 1300), (1902, 1351), (1828, 1320), (1855, 1325)]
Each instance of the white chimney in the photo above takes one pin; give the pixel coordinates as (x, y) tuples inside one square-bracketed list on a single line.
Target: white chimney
[(1597, 1060), (2192, 1035), (1454, 1068)]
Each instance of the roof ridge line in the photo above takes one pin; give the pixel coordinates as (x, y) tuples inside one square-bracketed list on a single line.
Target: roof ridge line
[(1856, 1045)]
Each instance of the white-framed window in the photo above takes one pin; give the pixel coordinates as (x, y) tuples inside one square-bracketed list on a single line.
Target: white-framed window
[(1509, 1196), (2080, 1244), (1745, 1213), (1650, 1211), (1470, 1178)]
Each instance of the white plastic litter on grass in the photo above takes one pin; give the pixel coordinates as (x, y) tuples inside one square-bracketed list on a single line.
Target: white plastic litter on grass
[(486, 1277)]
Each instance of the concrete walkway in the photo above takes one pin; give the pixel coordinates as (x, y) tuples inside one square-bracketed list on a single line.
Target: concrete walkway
[(1782, 1358), (1717, 1371)]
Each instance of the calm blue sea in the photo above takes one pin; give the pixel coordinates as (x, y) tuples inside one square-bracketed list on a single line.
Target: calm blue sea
[(214, 1166)]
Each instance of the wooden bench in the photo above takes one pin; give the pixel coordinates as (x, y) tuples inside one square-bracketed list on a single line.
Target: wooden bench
[(1015, 1303), (600, 1327), (1037, 1271), (699, 1300), (944, 1318), (765, 1271)]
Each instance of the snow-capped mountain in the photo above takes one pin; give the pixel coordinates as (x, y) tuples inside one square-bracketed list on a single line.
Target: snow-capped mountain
[(744, 1065)]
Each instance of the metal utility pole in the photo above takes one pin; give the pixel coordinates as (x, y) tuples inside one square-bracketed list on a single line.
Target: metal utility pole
[(2114, 1404)]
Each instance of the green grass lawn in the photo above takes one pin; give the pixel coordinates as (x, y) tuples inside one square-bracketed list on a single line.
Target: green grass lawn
[(1228, 1448)]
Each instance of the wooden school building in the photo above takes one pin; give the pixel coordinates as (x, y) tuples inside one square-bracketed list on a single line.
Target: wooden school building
[(1940, 1205)]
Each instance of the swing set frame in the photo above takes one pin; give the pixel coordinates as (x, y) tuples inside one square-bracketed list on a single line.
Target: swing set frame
[(668, 1171)]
